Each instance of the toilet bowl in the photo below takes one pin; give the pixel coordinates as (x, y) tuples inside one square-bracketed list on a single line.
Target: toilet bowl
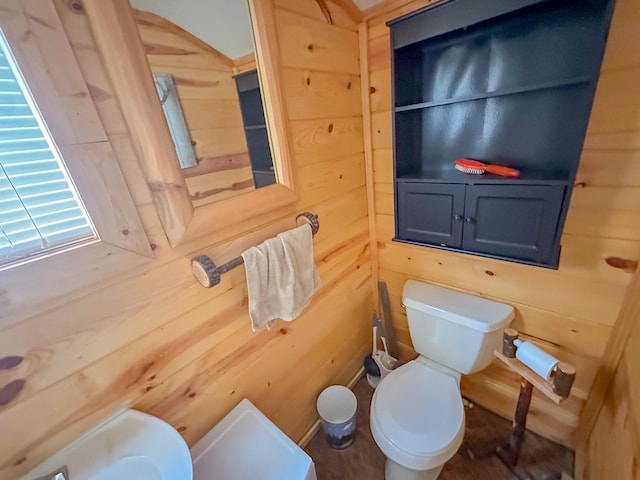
[(417, 420), (417, 415)]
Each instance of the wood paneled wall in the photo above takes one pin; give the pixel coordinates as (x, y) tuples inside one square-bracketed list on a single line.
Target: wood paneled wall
[(568, 312), (154, 338), (209, 100), (613, 449)]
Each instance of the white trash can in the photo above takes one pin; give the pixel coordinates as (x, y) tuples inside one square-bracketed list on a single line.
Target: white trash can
[(337, 406)]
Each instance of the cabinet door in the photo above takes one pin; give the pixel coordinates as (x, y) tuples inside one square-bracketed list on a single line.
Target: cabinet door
[(512, 221), (430, 213)]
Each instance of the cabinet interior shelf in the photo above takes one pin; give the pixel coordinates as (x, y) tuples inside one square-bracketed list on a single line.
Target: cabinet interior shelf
[(572, 82), (527, 177)]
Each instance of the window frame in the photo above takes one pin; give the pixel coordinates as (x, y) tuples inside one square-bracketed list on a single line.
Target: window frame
[(46, 59), (22, 254)]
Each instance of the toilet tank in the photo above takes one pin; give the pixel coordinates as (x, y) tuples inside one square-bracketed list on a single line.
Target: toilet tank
[(454, 329)]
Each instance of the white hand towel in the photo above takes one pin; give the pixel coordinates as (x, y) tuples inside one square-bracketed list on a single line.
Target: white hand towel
[(281, 277)]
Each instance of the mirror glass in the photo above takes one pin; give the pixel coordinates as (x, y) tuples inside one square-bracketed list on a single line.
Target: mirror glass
[(202, 56)]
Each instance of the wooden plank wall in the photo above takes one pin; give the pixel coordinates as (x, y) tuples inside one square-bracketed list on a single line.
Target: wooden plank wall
[(154, 338), (569, 312), (209, 99), (613, 449)]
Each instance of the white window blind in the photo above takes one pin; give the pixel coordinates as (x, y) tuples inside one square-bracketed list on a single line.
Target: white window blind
[(40, 211)]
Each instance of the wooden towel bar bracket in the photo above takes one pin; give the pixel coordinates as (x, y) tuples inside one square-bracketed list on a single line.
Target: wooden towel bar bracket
[(208, 273)]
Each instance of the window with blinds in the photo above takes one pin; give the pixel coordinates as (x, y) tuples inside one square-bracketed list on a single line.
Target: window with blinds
[(40, 210)]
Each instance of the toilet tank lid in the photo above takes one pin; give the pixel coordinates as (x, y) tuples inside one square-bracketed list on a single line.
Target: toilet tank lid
[(467, 310)]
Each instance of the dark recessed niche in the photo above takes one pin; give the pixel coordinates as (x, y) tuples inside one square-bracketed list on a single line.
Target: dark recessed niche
[(255, 128), (505, 82)]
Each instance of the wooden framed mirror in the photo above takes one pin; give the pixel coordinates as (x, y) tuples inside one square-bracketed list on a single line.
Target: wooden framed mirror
[(116, 33)]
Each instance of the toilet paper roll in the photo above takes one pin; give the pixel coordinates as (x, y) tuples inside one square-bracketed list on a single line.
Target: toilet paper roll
[(536, 359)]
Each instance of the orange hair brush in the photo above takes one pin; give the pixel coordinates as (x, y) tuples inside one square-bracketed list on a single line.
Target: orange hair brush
[(475, 167)]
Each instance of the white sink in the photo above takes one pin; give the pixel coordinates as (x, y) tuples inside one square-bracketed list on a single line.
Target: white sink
[(130, 445)]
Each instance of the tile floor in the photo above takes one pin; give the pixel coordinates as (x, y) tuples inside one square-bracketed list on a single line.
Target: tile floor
[(364, 461)]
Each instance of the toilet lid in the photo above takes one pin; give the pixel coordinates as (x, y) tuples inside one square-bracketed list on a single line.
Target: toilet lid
[(419, 409)]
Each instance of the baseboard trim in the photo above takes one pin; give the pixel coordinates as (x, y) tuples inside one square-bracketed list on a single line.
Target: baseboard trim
[(306, 438)]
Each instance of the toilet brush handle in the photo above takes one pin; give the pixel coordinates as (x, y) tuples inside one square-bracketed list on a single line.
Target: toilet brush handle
[(374, 348), (384, 345)]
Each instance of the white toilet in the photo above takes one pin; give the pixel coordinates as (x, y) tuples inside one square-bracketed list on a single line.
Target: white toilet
[(417, 416)]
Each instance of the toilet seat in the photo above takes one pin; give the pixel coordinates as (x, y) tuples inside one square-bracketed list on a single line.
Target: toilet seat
[(417, 416)]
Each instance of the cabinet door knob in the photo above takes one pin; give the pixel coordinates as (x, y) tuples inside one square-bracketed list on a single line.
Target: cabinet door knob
[(468, 219), (457, 218)]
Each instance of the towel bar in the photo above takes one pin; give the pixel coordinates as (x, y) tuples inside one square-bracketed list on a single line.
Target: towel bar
[(208, 273)]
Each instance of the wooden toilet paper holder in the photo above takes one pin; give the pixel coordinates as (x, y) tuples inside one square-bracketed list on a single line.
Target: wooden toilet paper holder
[(557, 389)]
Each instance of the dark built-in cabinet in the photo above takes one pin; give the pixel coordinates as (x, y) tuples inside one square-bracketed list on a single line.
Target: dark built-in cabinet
[(509, 82), (255, 128)]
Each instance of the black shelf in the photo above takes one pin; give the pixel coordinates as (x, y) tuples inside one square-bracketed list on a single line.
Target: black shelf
[(573, 82), (527, 177), (541, 129), (507, 82)]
